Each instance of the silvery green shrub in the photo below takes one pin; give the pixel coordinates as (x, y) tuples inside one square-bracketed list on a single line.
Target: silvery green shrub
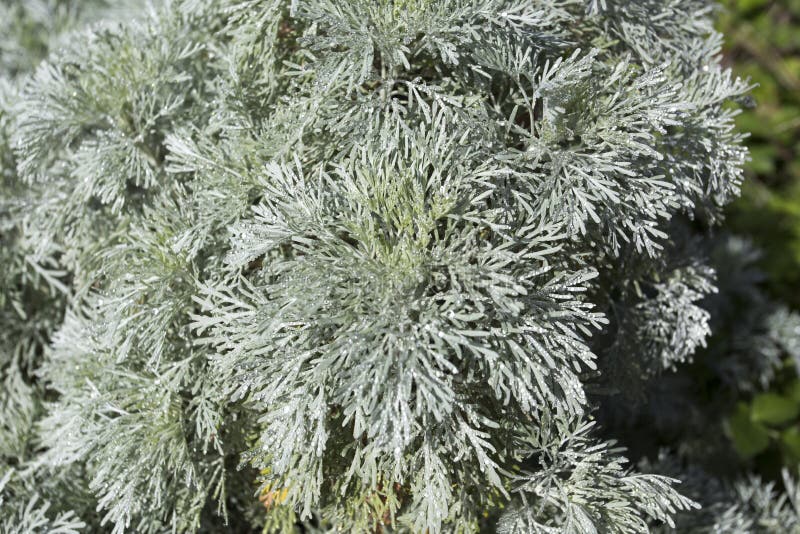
[(360, 265)]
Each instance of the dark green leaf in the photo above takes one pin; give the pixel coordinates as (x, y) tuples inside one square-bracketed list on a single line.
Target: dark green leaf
[(772, 408), (749, 438)]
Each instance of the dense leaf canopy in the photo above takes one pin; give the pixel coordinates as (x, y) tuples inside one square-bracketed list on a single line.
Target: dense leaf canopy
[(363, 265)]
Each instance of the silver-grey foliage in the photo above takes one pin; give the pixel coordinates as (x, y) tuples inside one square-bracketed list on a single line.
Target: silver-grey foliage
[(354, 265)]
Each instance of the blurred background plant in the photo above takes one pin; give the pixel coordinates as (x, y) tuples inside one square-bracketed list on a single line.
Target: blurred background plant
[(763, 43)]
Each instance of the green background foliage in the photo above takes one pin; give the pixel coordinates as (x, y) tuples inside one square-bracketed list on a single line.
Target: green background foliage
[(763, 43)]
